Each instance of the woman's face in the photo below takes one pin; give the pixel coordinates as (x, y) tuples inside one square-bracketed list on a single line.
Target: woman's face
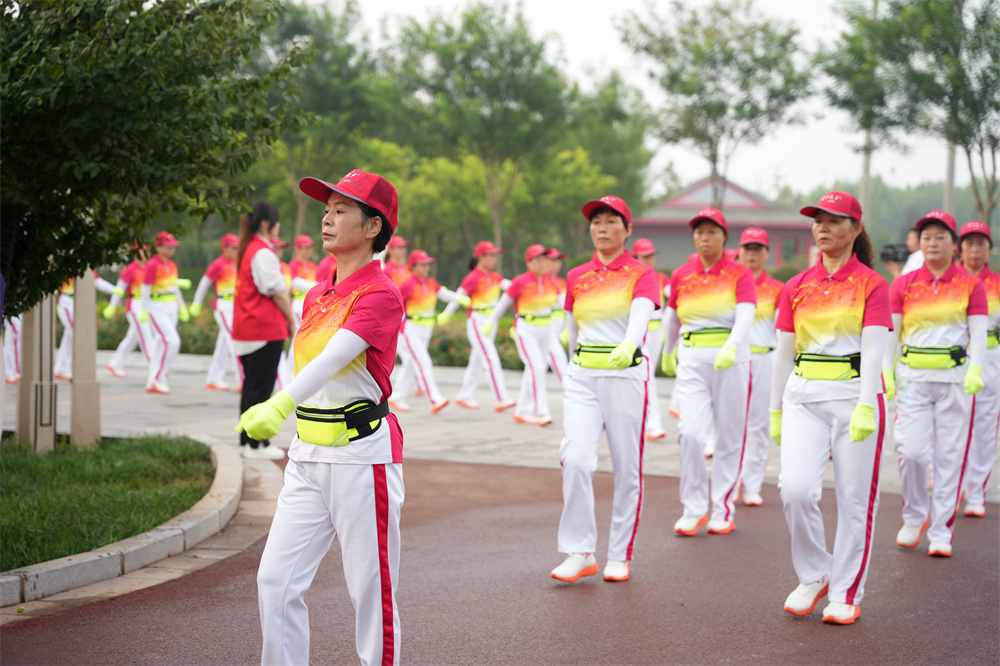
[(397, 255), (937, 244), (834, 234), (303, 253), (754, 256), (343, 225), (555, 265), (166, 251), (709, 239), (975, 251), (230, 252), (488, 262), (421, 270), (648, 259), (608, 232), (537, 265)]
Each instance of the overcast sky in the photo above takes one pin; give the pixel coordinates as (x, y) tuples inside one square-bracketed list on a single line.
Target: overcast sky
[(815, 154)]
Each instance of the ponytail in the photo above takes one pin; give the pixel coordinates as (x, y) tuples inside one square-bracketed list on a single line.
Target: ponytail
[(863, 248), (473, 262), (250, 225)]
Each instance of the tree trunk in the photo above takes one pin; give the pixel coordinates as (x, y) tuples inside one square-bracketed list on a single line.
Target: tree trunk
[(866, 175), (713, 159), (948, 205)]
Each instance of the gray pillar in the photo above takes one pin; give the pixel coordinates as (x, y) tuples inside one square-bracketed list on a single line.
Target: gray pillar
[(36, 398), (85, 409)]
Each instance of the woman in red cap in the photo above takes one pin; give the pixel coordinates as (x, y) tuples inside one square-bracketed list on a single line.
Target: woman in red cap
[(645, 252), (130, 283), (609, 301), (535, 296), (162, 306), (483, 286), (303, 272), (833, 322), (976, 243), (710, 311), (556, 356), (420, 296), (344, 475), (939, 315), (63, 367), (396, 266), (221, 274)]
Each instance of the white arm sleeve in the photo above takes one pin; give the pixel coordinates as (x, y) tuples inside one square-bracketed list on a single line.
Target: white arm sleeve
[(977, 339), (179, 295), (873, 339), (504, 283), (892, 343), (561, 302), (199, 294), (147, 295), (671, 330), (574, 332), (784, 362), (302, 284), (103, 285), (741, 325), (638, 320), (116, 300), (501, 307), (342, 348), (446, 294), (452, 307)]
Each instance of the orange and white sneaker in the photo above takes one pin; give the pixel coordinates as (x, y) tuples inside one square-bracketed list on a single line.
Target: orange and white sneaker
[(721, 526), (674, 413), (506, 404), (65, 378), (752, 499), (575, 567), (117, 372), (803, 598), (438, 406), (656, 433), (216, 387), (688, 525), (545, 420), (12, 379), (909, 535), (939, 549), (158, 387), (524, 419), (709, 449), (616, 571), (838, 613), (975, 510), (467, 404), (399, 405), (418, 392)]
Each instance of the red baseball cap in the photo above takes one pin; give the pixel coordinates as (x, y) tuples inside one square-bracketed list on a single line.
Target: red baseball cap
[(712, 215), (835, 203), (420, 257), (533, 251), (136, 246), (614, 203), (304, 241), (643, 247), (399, 241), (975, 227), (755, 235), (229, 240), (485, 247), (940, 217), (279, 244), (166, 239), (731, 253), (368, 188), (554, 253)]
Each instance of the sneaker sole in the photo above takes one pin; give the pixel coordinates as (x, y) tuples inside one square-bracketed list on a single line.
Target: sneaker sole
[(800, 613), (612, 579), (521, 419), (120, 374), (652, 437), (746, 503), (923, 528), (725, 530), (500, 408), (938, 553), (975, 514), (438, 408), (830, 619), (702, 522), (216, 387), (397, 407), (589, 571), (544, 422), (462, 403)]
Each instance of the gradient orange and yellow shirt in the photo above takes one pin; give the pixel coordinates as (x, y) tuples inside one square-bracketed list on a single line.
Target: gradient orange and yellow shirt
[(286, 271), (762, 333), (132, 276), (483, 288), (222, 272), (707, 297), (600, 297), (302, 269), (991, 282), (160, 274), (419, 296), (561, 283), (369, 305), (398, 273), (68, 287), (533, 296)]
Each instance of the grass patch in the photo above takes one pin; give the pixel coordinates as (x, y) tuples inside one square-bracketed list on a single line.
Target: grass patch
[(73, 500)]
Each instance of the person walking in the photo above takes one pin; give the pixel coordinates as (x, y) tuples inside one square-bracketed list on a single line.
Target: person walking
[(12, 348), (833, 322), (162, 306), (303, 274), (645, 252), (262, 317), (609, 301), (396, 266), (939, 315), (711, 310), (130, 282), (344, 476), (221, 274), (63, 367), (559, 337)]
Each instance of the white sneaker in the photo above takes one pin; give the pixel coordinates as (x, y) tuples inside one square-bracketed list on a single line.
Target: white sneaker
[(576, 566), (752, 499), (616, 570), (909, 535), (688, 525), (710, 449), (117, 372), (975, 510), (939, 550), (803, 598), (721, 526), (263, 452), (656, 433), (399, 404), (838, 613), (158, 387)]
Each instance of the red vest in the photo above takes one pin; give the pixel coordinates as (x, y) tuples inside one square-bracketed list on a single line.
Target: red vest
[(255, 316)]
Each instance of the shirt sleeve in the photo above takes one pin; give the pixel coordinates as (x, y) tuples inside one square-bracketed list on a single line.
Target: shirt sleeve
[(978, 305), (406, 289), (469, 283), (214, 271), (648, 286), (785, 321), (672, 299), (266, 270), (375, 318), (746, 290), (149, 273), (515, 288), (877, 310), (568, 302)]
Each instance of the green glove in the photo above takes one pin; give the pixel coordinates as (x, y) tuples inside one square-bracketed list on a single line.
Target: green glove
[(726, 356), (183, 283), (974, 379), (668, 363), (182, 313), (862, 422), (463, 300), (443, 318), (775, 425), (195, 309), (487, 328), (109, 312), (512, 332), (558, 314), (889, 379), (564, 337), (143, 316), (118, 291), (263, 421), (622, 355)]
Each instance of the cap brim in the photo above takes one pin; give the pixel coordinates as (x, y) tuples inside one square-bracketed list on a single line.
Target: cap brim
[(754, 242), (810, 211), (320, 190), (696, 220)]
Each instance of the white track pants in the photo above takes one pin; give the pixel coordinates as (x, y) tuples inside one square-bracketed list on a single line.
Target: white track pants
[(758, 422), (932, 428), (360, 505), (166, 343), (556, 356), (711, 401), (418, 365), (483, 357), (64, 357), (137, 334), (651, 350), (983, 450), (223, 345), (809, 434), (12, 346), (532, 346), (592, 406)]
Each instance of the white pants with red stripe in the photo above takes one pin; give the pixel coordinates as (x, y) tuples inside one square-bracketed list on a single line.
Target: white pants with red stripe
[(810, 432), (358, 504), (223, 314), (417, 365), (532, 346), (556, 356), (932, 429), (64, 357), (483, 357), (711, 401), (12, 346), (651, 350), (166, 343), (591, 406), (137, 334), (985, 428), (758, 422)]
